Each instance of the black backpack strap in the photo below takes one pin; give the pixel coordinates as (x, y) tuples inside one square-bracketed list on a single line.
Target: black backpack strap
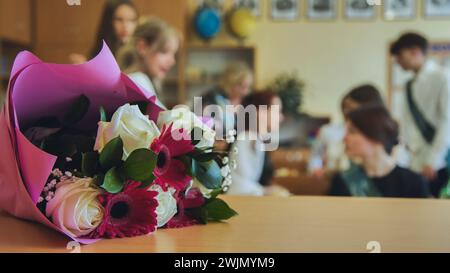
[(426, 129)]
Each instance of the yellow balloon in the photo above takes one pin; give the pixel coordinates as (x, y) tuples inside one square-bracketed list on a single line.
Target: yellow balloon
[(242, 22)]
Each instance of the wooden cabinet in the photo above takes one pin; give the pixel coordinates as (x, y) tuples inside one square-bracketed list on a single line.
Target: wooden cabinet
[(172, 11), (15, 21), (15, 34), (290, 166), (56, 29), (59, 23), (62, 29)]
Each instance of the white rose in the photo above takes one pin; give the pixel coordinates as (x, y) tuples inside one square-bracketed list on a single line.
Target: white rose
[(225, 171), (134, 128), (167, 204), (182, 117), (75, 208)]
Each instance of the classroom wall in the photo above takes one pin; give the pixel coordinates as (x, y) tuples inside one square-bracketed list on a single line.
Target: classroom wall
[(331, 57)]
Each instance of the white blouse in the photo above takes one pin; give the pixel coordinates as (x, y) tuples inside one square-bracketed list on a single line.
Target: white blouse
[(329, 145), (143, 81), (250, 162), (431, 92)]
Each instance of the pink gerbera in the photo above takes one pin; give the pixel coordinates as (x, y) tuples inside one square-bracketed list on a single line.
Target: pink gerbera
[(129, 213), (169, 170)]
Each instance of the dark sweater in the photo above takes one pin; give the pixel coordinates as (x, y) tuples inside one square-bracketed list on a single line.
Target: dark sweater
[(400, 182)]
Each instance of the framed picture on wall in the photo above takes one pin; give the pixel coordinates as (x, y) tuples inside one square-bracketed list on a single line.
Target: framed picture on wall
[(253, 5), (436, 8), (359, 10), (400, 9), (219, 4), (321, 10), (285, 10)]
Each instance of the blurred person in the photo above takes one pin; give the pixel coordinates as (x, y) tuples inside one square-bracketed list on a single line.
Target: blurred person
[(251, 158), (151, 54), (118, 22), (327, 153), (235, 83), (370, 138), (425, 119)]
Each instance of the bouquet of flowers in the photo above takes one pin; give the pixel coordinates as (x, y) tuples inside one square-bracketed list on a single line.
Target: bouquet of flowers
[(87, 152)]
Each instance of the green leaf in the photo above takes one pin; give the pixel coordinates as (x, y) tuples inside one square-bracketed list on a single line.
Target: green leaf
[(148, 182), (111, 154), (207, 173), (77, 111), (200, 214), (113, 182), (89, 164), (103, 116), (140, 164), (218, 210), (216, 193)]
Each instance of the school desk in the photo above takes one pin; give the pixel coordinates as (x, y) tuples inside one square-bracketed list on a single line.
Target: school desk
[(270, 224)]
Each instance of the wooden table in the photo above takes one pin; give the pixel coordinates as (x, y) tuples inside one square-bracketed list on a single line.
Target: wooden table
[(269, 224)]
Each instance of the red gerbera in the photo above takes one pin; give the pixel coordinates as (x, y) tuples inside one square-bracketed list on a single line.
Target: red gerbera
[(193, 199), (129, 213), (169, 170)]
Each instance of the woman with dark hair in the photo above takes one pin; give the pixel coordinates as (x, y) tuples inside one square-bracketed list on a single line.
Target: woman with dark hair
[(118, 22), (328, 152), (359, 96), (250, 177), (370, 138)]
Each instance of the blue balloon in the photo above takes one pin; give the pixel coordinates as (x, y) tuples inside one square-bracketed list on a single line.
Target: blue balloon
[(207, 22)]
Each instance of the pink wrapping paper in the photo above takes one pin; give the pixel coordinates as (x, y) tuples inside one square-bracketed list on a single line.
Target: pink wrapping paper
[(36, 89)]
